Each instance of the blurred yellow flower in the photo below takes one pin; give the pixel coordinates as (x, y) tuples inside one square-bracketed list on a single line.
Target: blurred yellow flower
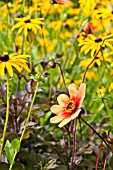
[(1, 26), (70, 22), (101, 92), (44, 31), (56, 25), (47, 43), (27, 23), (87, 7), (110, 86), (8, 61), (90, 75)]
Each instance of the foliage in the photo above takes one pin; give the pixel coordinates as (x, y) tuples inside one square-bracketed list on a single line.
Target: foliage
[(45, 48)]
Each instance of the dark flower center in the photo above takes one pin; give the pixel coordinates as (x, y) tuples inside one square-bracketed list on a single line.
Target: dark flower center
[(98, 40), (4, 57), (27, 21), (71, 106)]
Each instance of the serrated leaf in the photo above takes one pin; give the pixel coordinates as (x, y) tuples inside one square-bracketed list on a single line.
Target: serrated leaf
[(16, 145), (9, 151)]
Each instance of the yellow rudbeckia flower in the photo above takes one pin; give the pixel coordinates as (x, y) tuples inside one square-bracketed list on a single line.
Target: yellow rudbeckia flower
[(27, 23), (7, 62), (93, 44)]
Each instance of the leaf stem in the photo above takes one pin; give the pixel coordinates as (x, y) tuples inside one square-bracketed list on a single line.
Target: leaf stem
[(25, 126), (7, 116)]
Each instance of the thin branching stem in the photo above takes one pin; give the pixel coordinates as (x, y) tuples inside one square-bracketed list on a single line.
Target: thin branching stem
[(96, 133), (95, 57)]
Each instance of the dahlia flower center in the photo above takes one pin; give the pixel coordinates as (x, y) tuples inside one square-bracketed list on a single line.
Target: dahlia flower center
[(98, 40), (27, 21), (4, 57), (71, 106)]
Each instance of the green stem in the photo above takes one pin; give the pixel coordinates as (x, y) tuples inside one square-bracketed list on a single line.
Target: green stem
[(27, 121), (7, 117)]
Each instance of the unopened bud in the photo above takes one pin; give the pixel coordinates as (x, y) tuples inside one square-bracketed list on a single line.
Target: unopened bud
[(52, 64)]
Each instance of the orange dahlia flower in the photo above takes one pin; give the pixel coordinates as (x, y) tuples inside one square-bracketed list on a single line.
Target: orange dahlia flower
[(68, 108), (61, 2)]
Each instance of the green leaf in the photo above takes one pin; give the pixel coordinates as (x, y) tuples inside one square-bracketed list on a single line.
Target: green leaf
[(9, 151), (16, 145)]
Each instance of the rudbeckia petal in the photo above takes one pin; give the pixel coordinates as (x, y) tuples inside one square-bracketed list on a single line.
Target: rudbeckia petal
[(34, 29), (20, 29), (25, 31), (56, 109), (62, 99), (19, 24), (65, 121), (24, 65), (9, 69), (16, 66), (72, 90), (2, 67)]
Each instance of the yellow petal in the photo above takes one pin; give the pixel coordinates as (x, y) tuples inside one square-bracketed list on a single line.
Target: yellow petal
[(9, 69), (25, 31), (16, 66), (19, 24), (24, 65), (2, 67), (34, 29), (20, 29)]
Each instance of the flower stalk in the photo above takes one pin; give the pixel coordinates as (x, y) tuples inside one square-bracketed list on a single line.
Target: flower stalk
[(73, 164)]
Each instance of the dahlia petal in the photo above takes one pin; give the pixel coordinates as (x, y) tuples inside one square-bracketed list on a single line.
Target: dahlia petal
[(62, 99), (65, 121), (57, 119), (75, 115), (72, 90), (56, 109), (81, 93)]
